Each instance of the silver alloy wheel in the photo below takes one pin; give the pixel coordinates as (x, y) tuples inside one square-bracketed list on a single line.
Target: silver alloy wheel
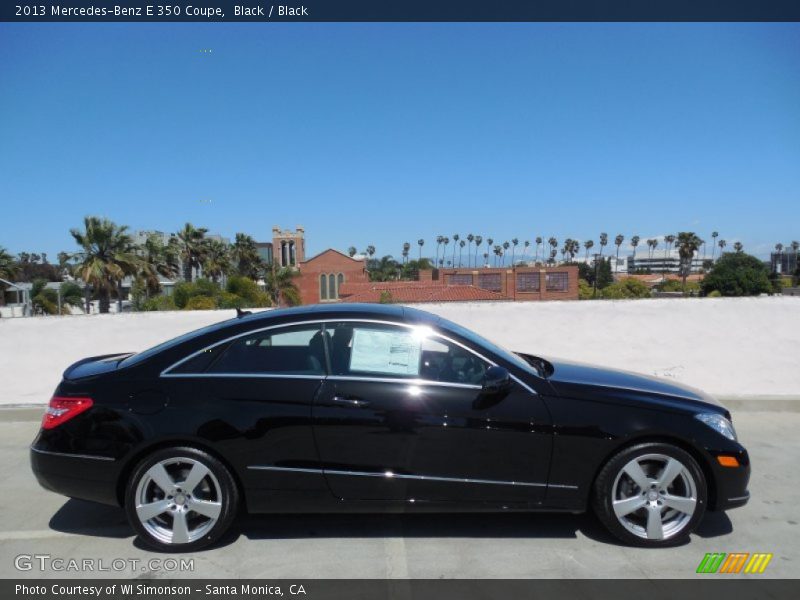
[(178, 500), (654, 496)]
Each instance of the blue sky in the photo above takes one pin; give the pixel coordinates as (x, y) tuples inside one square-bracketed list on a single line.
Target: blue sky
[(385, 133)]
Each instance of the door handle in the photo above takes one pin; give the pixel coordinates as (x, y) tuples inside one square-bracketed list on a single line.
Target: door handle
[(357, 402)]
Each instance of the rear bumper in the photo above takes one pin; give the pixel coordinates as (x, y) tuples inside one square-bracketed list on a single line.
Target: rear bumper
[(76, 475)]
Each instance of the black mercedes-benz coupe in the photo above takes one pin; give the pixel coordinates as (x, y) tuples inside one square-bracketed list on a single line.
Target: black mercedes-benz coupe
[(373, 408)]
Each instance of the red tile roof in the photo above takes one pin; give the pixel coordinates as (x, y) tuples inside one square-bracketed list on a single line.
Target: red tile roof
[(414, 291)]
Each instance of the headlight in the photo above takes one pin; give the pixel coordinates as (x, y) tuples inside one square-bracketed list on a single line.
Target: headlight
[(718, 423)]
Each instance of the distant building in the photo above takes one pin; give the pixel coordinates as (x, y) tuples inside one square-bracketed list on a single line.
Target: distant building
[(658, 263), (288, 247), (783, 262)]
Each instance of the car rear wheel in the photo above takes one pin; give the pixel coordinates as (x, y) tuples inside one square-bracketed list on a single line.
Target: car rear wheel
[(181, 499), (651, 494)]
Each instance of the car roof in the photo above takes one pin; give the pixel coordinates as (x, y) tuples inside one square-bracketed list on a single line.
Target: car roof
[(349, 310)]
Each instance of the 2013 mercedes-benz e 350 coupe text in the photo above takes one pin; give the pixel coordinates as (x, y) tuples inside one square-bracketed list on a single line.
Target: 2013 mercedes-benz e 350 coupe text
[(369, 408)]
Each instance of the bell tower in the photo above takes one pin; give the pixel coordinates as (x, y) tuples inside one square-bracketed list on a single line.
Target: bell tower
[(288, 247)]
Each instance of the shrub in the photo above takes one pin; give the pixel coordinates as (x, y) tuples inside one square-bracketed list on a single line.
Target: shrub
[(182, 292), (585, 290), (676, 285), (200, 303), (229, 300), (626, 288), (247, 289), (386, 297), (714, 294), (206, 287), (158, 303), (737, 274)]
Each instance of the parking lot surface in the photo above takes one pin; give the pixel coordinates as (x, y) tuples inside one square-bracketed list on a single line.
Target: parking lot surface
[(35, 523)]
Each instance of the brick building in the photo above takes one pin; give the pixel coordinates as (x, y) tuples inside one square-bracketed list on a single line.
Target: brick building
[(332, 276)]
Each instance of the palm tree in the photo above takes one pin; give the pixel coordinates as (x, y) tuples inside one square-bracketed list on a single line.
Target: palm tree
[(721, 244), (461, 245), (795, 246), (514, 242), (105, 258), (244, 255), (653, 244), (478, 242), (588, 244), (738, 247), (352, 251), (485, 258), (668, 241), (553, 246), (439, 240), (48, 300), (470, 239), (406, 250), (688, 244), (190, 242), (526, 245), (216, 260), (538, 243), (280, 286), (506, 246), (498, 252), (157, 259), (779, 251), (8, 271), (370, 253), (446, 241), (603, 242), (634, 242), (421, 243), (618, 242), (714, 236), (456, 237)]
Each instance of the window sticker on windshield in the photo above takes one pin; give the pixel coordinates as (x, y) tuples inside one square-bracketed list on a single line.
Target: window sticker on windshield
[(389, 352)]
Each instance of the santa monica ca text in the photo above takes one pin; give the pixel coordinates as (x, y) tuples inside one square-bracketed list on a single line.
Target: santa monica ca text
[(141, 589)]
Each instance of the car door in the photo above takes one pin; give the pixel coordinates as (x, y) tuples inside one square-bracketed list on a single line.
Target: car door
[(252, 396), (403, 417)]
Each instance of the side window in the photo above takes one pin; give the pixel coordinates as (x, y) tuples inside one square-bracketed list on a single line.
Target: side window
[(296, 350), (377, 350)]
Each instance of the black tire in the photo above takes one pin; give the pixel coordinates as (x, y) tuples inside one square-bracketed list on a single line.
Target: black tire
[(217, 486), (627, 527)]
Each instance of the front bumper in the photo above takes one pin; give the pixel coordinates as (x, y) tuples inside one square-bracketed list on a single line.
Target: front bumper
[(731, 482)]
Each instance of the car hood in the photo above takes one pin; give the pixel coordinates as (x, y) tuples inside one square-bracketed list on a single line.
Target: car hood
[(582, 381)]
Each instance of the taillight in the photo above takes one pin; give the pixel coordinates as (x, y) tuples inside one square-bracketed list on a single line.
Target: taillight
[(62, 408)]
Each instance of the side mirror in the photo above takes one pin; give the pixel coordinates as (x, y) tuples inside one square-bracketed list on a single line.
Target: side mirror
[(496, 380)]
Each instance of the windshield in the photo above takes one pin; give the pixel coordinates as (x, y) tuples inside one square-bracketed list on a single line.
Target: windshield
[(478, 340), (135, 359)]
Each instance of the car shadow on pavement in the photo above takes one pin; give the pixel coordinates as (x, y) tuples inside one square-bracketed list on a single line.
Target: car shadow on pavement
[(86, 518)]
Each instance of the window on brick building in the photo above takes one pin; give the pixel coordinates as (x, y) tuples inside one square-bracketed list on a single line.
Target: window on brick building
[(460, 279), (323, 287), (490, 281), (557, 282), (528, 282)]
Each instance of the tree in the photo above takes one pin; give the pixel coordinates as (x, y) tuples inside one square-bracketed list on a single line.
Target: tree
[(439, 240), (157, 259), (714, 236), (421, 243), (280, 286), (461, 245), (244, 256), (456, 237), (470, 239), (588, 244), (668, 241), (478, 242), (526, 245), (191, 246), (737, 274), (652, 244), (514, 243), (603, 242), (216, 260), (779, 251), (406, 249), (506, 246), (538, 243), (634, 243), (553, 245), (721, 244), (628, 287), (738, 246), (351, 251), (445, 242), (618, 242), (370, 251), (106, 256), (46, 300), (8, 271), (688, 244)]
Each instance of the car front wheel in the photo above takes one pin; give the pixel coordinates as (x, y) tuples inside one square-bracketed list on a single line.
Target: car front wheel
[(651, 494), (181, 499)]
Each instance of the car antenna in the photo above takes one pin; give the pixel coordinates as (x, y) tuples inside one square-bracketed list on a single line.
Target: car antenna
[(242, 313)]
